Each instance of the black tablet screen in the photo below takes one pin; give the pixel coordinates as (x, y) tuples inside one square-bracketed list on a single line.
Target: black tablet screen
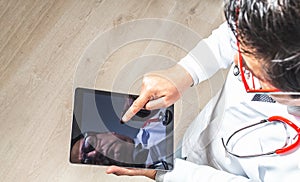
[(100, 138)]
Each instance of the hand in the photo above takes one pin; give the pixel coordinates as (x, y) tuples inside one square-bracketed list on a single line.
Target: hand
[(150, 173), (160, 89)]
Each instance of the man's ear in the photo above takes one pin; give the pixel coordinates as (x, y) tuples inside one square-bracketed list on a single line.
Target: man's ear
[(236, 59)]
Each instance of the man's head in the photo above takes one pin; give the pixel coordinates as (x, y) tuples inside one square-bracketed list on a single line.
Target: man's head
[(269, 35), (103, 149)]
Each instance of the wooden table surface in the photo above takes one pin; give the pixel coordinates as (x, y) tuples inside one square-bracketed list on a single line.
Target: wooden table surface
[(43, 49)]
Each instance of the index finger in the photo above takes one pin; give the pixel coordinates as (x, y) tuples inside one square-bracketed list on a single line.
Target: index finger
[(136, 106)]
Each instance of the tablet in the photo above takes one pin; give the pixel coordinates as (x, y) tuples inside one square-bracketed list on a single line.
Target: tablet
[(99, 137)]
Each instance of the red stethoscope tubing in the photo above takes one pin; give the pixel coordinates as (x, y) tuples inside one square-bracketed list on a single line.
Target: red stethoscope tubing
[(293, 146)]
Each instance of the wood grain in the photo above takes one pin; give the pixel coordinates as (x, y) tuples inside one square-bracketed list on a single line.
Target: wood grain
[(41, 44)]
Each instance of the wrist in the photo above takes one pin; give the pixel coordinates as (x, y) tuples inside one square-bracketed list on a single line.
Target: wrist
[(159, 175), (177, 75)]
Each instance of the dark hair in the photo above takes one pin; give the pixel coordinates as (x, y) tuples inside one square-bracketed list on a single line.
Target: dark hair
[(270, 31)]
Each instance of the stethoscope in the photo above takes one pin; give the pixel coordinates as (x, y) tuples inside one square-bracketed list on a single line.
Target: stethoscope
[(281, 151)]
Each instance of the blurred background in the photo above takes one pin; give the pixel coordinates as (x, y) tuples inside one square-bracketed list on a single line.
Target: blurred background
[(48, 48)]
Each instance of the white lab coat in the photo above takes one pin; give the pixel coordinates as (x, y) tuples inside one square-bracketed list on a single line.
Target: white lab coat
[(228, 111)]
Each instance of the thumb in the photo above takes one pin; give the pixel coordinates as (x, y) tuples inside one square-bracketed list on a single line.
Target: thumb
[(156, 104)]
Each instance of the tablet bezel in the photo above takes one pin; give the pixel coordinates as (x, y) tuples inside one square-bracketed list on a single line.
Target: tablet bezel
[(77, 119)]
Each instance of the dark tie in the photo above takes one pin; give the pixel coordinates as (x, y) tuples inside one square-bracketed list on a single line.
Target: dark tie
[(145, 137), (263, 98)]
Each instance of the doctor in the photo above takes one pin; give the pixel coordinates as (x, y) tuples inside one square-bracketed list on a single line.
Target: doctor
[(238, 136)]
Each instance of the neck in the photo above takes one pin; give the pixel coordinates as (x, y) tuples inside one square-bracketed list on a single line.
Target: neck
[(294, 110)]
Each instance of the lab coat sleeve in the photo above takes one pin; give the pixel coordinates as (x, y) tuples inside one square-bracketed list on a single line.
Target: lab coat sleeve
[(190, 172), (210, 54)]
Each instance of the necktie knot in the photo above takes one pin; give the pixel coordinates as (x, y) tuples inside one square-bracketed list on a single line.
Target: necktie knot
[(263, 98)]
